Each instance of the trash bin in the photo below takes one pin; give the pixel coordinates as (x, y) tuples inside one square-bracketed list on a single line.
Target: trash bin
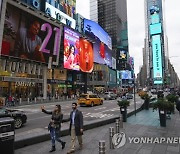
[(7, 135)]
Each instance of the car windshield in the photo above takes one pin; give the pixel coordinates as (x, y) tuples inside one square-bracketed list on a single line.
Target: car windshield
[(106, 93), (83, 96)]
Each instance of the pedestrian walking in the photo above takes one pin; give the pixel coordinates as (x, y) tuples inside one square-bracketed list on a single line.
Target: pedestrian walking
[(55, 126), (76, 127)]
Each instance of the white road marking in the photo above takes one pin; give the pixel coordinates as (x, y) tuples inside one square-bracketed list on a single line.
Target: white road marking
[(100, 108)]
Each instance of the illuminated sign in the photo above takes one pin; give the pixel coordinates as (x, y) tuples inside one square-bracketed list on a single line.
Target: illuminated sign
[(155, 18), (157, 60), (66, 6), (71, 49), (155, 29), (94, 30), (125, 74), (28, 37), (60, 16)]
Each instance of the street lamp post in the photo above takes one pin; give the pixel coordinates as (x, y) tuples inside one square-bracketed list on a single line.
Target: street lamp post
[(134, 95)]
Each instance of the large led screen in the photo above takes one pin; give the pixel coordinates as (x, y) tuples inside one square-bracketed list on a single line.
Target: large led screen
[(155, 18), (125, 74), (102, 54), (66, 6), (157, 59), (60, 16), (95, 31), (86, 56), (155, 29), (28, 37), (71, 49), (78, 52)]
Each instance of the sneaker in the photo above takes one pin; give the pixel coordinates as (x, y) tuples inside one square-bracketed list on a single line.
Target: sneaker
[(63, 145)]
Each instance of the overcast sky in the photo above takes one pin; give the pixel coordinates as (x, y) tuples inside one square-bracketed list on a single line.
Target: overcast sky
[(136, 30)]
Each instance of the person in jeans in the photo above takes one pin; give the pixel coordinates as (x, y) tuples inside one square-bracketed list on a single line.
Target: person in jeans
[(76, 127), (55, 126)]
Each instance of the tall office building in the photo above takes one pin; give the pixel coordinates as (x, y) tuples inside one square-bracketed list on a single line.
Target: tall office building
[(155, 42), (112, 16)]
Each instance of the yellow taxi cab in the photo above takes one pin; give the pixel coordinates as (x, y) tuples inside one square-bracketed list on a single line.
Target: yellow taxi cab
[(90, 100)]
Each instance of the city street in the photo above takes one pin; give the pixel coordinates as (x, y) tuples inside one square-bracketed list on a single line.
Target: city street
[(37, 119)]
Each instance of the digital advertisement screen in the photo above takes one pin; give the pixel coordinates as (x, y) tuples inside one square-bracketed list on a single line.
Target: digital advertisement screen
[(157, 60), (155, 18), (102, 54), (122, 54), (60, 16), (125, 74), (28, 37), (95, 31), (71, 49), (86, 58), (66, 6), (155, 29)]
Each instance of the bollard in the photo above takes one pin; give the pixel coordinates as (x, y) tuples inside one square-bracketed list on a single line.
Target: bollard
[(111, 134), (102, 147), (121, 121), (20, 101), (117, 125)]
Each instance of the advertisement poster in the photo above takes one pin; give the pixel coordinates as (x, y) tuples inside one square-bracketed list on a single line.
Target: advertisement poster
[(102, 54), (86, 56), (66, 6), (95, 31), (157, 60), (28, 37), (71, 49)]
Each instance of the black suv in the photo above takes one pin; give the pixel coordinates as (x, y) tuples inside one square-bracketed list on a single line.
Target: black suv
[(19, 116)]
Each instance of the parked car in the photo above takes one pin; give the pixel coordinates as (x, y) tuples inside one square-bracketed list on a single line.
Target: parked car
[(110, 95), (19, 116), (90, 99), (129, 96)]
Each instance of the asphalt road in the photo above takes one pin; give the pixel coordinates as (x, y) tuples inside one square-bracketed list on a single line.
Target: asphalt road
[(37, 119)]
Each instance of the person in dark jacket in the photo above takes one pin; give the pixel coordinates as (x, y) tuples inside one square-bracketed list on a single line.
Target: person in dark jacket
[(76, 127), (55, 126)]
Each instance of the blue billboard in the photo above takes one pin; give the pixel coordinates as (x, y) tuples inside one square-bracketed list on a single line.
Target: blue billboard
[(155, 29), (95, 31), (157, 60), (126, 74)]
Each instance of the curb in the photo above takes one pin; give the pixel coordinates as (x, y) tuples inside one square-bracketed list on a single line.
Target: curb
[(44, 136)]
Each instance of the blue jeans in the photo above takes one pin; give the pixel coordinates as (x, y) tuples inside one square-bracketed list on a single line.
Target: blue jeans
[(55, 136)]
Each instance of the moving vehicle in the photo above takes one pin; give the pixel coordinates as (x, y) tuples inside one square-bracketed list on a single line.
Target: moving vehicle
[(19, 116), (110, 95), (90, 100), (129, 96)]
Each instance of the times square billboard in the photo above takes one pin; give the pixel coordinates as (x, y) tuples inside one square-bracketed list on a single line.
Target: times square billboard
[(62, 10), (78, 52), (157, 60), (30, 37)]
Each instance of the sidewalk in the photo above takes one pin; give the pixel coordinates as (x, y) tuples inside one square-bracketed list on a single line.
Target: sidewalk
[(144, 124)]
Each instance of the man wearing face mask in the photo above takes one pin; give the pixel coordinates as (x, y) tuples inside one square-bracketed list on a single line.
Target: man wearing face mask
[(76, 127)]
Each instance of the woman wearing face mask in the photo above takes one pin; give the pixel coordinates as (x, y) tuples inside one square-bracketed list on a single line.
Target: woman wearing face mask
[(55, 126)]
